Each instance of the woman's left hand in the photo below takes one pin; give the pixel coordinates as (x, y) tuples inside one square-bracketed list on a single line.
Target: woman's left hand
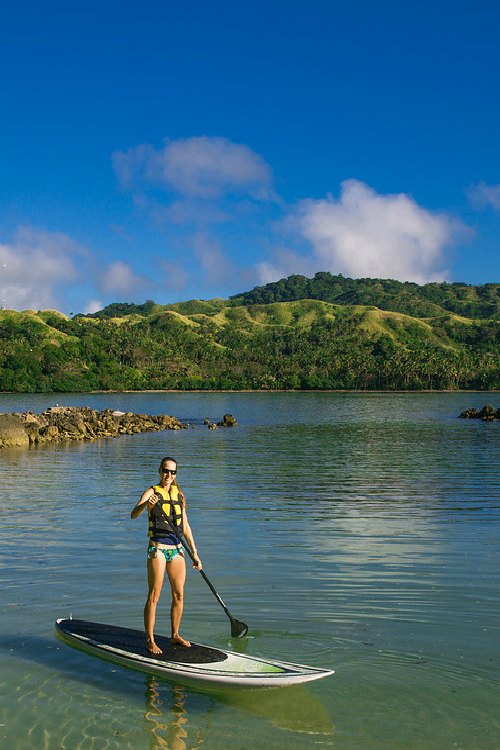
[(196, 561)]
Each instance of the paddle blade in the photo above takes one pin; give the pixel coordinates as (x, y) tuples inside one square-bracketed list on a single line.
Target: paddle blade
[(238, 629)]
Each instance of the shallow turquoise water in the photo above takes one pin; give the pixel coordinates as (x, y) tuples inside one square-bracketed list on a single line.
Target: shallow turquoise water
[(358, 532)]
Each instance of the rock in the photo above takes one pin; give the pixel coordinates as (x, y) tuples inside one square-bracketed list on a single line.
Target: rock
[(487, 414), (78, 423), (50, 432), (469, 413), (29, 417), (12, 430), (227, 421)]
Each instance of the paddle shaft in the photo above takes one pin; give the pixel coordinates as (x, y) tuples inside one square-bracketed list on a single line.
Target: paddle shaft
[(205, 577), (238, 628)]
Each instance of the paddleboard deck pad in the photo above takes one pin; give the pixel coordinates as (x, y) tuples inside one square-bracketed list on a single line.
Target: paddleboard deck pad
[(198, 665)]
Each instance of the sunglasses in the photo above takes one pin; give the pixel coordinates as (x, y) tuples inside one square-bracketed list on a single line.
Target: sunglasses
[(169, 471)]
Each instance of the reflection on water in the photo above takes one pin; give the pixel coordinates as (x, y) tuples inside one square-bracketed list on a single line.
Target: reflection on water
[(166, 729), (354, 532), (166, 718)]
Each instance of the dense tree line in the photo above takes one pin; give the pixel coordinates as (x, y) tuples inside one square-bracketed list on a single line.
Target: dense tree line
[(340, 348), (386, 294), (119, 309)]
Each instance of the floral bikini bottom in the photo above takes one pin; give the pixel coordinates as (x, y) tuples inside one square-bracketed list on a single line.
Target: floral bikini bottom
[(169, 553)]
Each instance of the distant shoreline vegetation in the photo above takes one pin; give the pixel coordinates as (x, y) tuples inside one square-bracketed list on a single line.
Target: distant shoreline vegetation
[(326, 333)]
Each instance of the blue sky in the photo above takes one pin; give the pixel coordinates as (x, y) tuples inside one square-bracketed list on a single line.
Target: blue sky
[(157, 151)]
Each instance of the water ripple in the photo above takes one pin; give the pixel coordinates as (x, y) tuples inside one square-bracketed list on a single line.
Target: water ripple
[(350, 531)]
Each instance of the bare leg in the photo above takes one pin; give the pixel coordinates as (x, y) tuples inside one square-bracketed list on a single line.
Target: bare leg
[(156, 573), (176, 571)]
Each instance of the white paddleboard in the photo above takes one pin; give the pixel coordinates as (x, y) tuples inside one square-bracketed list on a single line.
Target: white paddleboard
[(198, 665)]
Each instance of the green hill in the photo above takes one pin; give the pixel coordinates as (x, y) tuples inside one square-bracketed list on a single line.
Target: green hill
[(300, 343), (387, 294)]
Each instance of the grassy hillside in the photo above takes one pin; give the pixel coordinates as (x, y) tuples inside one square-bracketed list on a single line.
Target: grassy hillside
[(387, 294), (303, 343)]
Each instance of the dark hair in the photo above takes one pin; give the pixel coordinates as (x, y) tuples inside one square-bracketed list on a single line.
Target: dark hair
[(167, 458)]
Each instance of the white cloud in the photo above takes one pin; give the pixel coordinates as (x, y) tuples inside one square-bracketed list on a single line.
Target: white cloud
[(32, 267), (482, 195), (284, 262), (364, 233), (119, 278), (200, 167), (92, 306)]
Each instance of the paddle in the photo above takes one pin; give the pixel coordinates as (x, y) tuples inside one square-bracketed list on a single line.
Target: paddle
[(238, 628)]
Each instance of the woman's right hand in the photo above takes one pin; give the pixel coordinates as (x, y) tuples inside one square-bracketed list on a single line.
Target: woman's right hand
[(152, 500)]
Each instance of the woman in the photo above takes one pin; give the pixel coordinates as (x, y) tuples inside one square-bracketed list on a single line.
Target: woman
[(166, 507)]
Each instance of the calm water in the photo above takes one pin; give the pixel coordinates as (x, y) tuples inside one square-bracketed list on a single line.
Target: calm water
[(353, 532)]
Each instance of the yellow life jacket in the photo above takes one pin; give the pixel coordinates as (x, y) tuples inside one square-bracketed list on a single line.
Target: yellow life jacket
[(166, 516)]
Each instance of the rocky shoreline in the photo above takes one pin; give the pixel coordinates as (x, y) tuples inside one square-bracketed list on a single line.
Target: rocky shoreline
[(487, 414), (60, 423)]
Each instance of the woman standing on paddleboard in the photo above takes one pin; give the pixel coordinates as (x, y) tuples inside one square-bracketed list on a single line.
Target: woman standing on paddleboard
[(166, 506)]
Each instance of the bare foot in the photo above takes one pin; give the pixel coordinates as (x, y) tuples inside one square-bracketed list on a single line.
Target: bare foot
[(178, 639), (152, 647)]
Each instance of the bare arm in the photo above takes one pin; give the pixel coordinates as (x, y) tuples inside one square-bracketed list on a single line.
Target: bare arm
[(147, 498)]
